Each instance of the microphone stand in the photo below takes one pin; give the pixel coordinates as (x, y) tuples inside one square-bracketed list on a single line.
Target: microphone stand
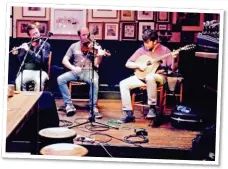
[(41, 57), (91, 118), (22, 64)]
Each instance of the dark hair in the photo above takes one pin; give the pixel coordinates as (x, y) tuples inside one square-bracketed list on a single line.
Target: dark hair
[(30, 27), (149, 34)]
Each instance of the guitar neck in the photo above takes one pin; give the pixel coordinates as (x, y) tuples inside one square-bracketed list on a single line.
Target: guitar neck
[(166, 55)]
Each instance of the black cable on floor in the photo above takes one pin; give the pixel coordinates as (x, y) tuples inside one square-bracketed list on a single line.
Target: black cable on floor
[(112, 137), (66, 123), (143, 139), (96, 128), (91, 127)]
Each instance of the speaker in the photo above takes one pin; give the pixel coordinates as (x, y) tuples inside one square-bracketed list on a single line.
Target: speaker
[(48, 115), (45, 117)]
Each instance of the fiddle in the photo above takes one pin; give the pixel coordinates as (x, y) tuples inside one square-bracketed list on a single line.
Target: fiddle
[(94, 47)]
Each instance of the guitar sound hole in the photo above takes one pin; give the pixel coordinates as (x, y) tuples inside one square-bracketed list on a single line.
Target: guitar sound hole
[(149, 63)]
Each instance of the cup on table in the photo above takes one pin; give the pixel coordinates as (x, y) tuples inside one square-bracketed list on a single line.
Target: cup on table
[(11, 89)]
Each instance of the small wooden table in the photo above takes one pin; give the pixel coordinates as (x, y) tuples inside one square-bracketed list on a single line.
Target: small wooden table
[(19, 109)]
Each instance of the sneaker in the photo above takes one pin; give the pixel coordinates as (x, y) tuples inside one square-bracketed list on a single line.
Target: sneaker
[(151, 114), (70, 110), (97, 114), (129, 117)]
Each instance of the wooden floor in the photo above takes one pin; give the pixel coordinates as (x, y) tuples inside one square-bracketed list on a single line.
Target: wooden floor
[(164, 136)]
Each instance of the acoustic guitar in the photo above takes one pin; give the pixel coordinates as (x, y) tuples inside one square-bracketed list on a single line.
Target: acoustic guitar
[(152, 64)]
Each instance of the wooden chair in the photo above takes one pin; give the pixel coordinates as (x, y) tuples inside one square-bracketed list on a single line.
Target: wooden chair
[(49, 64), (176, 91), (48, 71), (140, 103)]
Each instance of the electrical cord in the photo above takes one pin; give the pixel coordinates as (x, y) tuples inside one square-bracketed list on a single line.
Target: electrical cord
[(112, 137), (144, 139), (104, 148), (92, 127), (91, 140), (66, 123), (96, 128), (76, 120)]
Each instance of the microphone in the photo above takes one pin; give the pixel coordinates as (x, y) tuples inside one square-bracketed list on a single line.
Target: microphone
[(50, 34)]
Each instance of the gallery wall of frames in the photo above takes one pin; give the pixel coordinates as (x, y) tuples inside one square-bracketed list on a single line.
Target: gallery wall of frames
[(116, 25)]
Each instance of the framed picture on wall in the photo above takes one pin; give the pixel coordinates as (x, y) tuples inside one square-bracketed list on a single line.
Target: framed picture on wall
[(188, 21), (129, 31), (127, 15), (143, 26), (34, 12), (67, 21), (97, 28), (104, 13), (23, 24), (145, 15), (111, 31), (161, 26), (163, 17)]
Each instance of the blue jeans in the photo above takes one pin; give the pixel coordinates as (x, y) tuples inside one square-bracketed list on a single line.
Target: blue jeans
[(86, 76)]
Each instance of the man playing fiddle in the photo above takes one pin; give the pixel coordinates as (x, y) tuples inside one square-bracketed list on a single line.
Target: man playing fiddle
[(81, 69), (32, 60)]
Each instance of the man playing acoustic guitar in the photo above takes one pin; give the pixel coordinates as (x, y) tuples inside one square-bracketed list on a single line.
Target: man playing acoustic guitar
[(150, 63)]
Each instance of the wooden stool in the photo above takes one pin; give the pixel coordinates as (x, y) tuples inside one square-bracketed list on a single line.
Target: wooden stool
[(56, 135), (176, 88), (160, 90), (64, 149), (75, 83)]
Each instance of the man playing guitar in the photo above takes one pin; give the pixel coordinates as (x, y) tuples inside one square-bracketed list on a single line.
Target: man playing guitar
[(145, 75)]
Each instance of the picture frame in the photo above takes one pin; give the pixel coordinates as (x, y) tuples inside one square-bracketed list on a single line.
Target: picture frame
[(34, 12), (145, 15), (142, 26), (161, 26), (111, 31), (193, 21), (163, 17), (104, 13), (127, 15), (128, 31), (99, 28), (67, 21), (22, 26)]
